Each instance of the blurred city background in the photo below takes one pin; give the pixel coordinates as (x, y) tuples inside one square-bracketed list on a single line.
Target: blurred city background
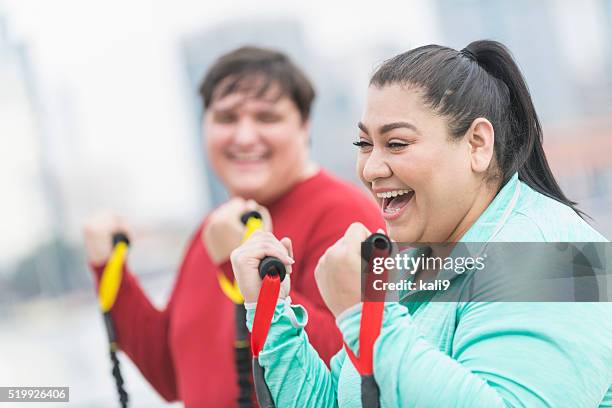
[(99, 109)]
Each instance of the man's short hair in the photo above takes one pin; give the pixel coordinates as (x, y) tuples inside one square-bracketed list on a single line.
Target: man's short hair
[(255, 70)]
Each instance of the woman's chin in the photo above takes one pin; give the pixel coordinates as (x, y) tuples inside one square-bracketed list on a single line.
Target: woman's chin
[(402, 233)]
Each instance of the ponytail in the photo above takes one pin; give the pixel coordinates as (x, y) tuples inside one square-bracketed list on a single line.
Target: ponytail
[(482, 80), (528, 156)]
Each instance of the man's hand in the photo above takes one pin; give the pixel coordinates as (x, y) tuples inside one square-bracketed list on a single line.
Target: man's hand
[(338, 272), (98, 232), (223, 231), (246, 258)]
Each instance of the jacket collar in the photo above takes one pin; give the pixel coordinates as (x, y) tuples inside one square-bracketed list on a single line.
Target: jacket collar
[(490, 222)]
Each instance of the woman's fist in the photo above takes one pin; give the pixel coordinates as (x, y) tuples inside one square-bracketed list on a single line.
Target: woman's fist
[(246, 258), (338, 272)]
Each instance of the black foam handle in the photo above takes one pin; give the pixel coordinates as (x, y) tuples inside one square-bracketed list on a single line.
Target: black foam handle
[(120, 237), (271, 265), (377, 240), (250, 214)]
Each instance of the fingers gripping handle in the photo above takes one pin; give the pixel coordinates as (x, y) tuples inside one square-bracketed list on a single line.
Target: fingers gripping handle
[(269, 265), (272, 266), (244, 218), (252, 221), (120, 237), (376, 244)]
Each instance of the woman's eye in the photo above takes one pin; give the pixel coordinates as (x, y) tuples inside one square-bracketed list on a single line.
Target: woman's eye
[(362, 144), (396, 145)]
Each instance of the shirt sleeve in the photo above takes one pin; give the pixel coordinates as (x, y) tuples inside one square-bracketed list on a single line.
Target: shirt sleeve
[(294, 372), (504, 354)]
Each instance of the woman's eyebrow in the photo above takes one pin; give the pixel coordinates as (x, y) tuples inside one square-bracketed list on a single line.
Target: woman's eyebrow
[(363, 128), (395, 125), (388, 127)]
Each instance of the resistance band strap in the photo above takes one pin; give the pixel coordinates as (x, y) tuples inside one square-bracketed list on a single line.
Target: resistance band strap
[(377, 245), (272, 272), (266, 303), (371, 322)]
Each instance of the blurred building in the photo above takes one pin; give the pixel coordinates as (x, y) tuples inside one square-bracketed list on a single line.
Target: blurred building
[(23, 214)]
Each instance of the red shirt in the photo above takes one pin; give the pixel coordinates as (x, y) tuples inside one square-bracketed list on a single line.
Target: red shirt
[(186, 351)]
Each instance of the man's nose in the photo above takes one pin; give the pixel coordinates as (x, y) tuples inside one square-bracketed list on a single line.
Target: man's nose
[(246, 133), (376, 167)]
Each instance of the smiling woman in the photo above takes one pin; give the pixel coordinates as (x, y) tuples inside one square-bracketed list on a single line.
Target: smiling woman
[(451, 147)]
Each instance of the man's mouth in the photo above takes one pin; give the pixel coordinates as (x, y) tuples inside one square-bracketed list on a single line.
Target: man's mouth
[(394, 201), (247, 157)]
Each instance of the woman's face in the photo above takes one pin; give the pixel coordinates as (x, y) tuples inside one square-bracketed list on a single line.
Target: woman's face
[(422, 179), (257, 145)]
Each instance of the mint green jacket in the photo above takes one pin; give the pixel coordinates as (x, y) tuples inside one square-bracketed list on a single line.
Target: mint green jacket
[(462, 354)]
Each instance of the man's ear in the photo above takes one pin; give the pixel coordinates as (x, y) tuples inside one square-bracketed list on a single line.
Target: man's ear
[(481, 140), (306, 126)]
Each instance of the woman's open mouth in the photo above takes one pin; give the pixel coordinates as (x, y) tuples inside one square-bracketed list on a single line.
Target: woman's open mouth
[(394, 202)]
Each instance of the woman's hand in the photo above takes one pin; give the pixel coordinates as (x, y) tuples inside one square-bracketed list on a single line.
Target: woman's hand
[(338, 272), (223, 231), (246, 258)]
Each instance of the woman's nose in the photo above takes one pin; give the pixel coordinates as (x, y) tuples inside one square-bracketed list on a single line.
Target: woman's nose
[(376, 167)]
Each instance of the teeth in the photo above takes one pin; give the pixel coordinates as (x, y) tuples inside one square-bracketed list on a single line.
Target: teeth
[(247, 156), (394, 193)]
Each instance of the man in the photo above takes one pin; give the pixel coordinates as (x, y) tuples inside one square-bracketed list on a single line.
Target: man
[(256, 126)]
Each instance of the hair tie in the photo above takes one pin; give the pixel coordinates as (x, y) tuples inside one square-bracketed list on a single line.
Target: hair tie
[(468, 54)]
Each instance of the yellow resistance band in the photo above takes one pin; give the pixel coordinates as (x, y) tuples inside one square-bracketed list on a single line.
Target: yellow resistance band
[(229, 288), (111, 277)]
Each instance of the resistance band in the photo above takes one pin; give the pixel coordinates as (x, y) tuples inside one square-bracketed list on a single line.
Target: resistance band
[(107, 294), (252, 221), (272, 272), (377, 245)]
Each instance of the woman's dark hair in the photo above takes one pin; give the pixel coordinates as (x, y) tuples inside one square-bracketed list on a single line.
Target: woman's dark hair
[(255, 70), (482, 80)]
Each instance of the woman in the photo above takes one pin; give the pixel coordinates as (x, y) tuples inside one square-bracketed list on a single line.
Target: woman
[(453, 135)]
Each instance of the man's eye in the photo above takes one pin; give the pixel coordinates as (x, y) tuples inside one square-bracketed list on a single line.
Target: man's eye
[(224, 117), (268, 117)]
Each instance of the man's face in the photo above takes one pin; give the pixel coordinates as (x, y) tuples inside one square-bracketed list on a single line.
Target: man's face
[(257, 145)]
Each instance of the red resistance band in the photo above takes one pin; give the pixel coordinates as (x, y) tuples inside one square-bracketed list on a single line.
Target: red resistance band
[(266, 303), (371, 318)]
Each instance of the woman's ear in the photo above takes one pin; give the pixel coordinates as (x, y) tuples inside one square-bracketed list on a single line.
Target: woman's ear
[(481, 140)]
